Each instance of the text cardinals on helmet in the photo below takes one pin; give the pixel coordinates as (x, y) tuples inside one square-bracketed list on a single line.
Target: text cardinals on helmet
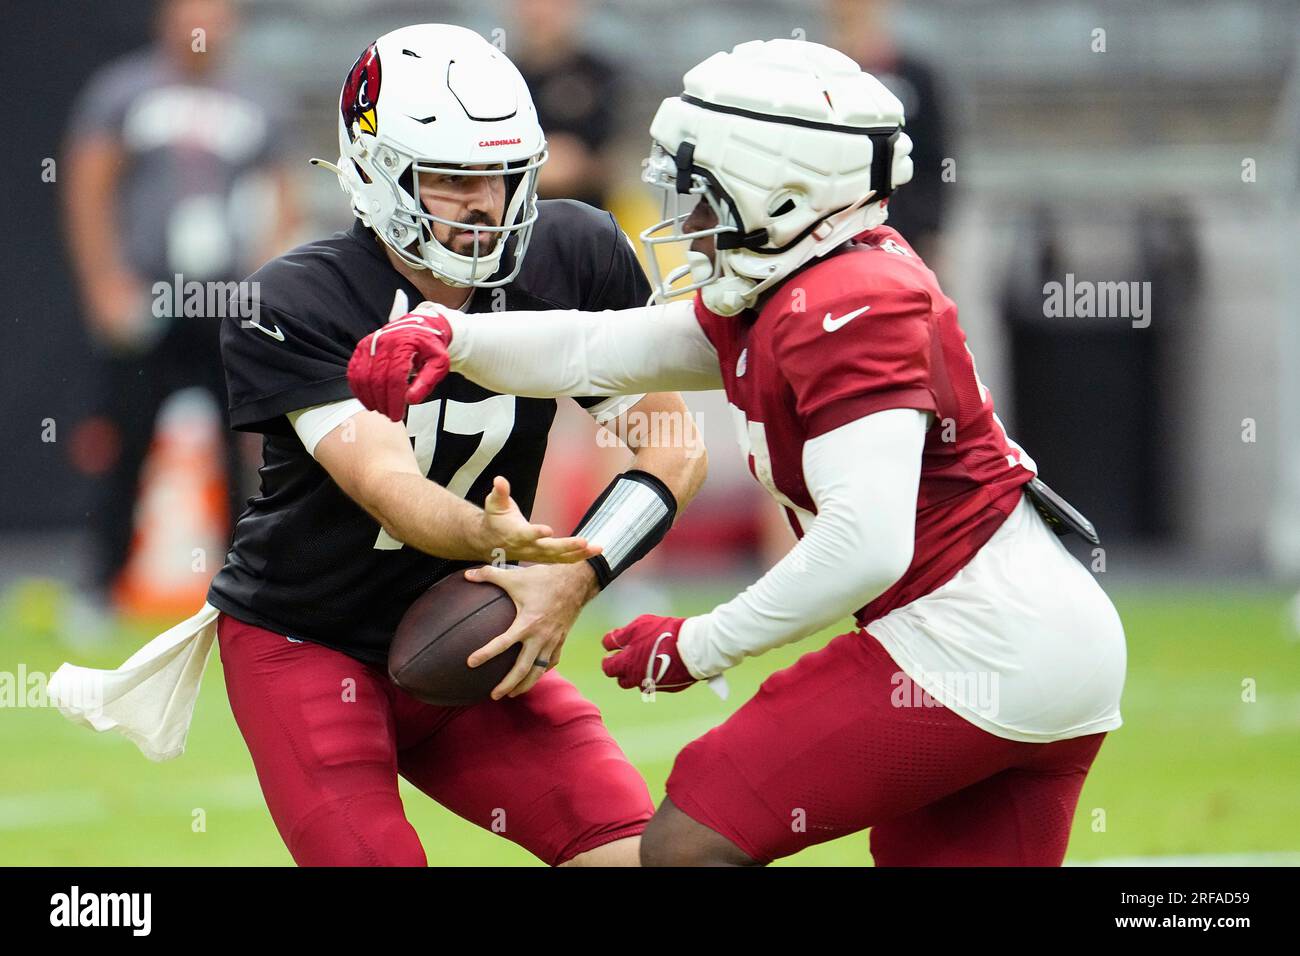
[(792, 145), (434, 99)]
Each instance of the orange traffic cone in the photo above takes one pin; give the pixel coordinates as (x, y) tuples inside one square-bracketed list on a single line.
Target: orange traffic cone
[(181, 516)]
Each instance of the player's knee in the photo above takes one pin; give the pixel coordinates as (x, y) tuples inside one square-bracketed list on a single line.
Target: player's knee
[(603, 804), (674, 839), (357, 830)]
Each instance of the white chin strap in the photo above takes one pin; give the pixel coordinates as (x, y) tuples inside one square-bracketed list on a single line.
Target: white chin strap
[(725, 295), (728, 294)]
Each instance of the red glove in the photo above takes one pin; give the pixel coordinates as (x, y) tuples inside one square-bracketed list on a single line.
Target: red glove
[(400, 363), (647, 655)]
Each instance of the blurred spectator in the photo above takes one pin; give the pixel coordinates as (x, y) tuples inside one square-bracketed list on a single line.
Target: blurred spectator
[(575, 92), (172, 178), (864, 30)]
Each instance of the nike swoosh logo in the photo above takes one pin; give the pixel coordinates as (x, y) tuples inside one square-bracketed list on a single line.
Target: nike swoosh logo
[(831, 325), (664, 662), (277, 334)]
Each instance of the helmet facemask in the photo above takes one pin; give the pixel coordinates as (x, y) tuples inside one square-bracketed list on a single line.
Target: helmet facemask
[(748, 262), (683, 188), (409, 231)]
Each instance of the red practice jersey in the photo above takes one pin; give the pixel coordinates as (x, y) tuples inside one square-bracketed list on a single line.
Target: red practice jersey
[(864, 330)]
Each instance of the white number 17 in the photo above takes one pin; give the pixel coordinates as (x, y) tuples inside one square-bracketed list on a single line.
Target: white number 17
[(493, 418)]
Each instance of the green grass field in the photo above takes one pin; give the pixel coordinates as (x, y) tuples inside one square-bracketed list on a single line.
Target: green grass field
[(1195, 770)]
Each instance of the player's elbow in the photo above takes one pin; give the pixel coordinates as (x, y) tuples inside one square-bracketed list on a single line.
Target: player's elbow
[(693, 460), (887, 560), (679, 458), (373, 492), (894, 566), (391, 527), (695, 469), (688, 467)]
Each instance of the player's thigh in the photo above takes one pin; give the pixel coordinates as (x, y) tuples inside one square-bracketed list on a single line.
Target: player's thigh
[(1019, 817), (319, 727), (539, 769), (827, 747)]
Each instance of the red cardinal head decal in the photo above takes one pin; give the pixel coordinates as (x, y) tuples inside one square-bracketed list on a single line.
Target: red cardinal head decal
[(361, 93)]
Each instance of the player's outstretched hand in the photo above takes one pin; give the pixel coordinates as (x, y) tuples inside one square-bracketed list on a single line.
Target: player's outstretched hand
[(647, 655), (506, 528), (400, 363)]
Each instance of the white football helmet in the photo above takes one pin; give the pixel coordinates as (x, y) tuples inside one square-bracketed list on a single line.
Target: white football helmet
[(792, 145), (433, 99)]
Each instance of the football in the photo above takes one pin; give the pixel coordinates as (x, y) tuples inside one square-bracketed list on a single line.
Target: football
[(437, 634)]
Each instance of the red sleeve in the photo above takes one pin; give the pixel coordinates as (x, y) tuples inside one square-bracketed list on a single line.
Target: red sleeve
[(877, 360)]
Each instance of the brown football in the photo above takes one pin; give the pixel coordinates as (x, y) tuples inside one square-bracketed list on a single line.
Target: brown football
[(437, 634)]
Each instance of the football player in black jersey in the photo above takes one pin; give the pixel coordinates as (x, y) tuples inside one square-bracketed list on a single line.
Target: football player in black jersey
[(358, 515)]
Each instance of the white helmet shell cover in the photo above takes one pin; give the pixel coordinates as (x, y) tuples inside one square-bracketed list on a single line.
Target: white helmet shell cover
[(797, 147), (432, 99)]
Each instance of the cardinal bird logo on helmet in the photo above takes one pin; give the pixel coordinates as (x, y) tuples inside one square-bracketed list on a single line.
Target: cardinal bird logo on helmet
[(361, 93)]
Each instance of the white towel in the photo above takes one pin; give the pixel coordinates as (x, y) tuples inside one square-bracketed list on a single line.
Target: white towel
[(150, 698)]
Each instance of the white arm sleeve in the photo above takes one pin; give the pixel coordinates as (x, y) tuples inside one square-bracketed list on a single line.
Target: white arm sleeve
[(612, 407), (314, 423), (863, 477), (659, 348)]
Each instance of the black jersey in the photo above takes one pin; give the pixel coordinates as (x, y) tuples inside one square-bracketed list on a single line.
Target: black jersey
[(306, 560)]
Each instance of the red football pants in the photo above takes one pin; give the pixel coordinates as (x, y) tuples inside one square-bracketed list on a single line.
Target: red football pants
[(824, 749), (329, 735)]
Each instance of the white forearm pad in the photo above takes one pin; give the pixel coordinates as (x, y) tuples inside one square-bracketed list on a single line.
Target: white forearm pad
[(863, 477), (566, 352), (630, 517)]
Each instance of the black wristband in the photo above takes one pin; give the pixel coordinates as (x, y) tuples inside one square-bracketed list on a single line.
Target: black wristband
[(630, 517)]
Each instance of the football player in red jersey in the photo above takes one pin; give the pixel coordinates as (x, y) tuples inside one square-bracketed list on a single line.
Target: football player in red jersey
[(958, 721)]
